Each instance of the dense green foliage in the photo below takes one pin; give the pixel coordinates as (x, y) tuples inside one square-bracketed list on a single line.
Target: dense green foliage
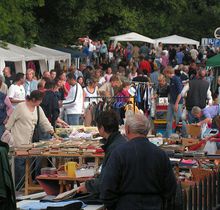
[(61, 22)]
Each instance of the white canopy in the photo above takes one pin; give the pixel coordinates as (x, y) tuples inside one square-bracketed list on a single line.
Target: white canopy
[(132, 37), (28, 55), (52, 55), (7, 55), (175, 39)]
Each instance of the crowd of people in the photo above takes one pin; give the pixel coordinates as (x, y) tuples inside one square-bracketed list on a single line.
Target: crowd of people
[(128, 79), (73, 96)]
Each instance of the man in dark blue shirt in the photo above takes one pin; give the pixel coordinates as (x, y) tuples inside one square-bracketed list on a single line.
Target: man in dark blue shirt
[(138, 174), (175, 100)]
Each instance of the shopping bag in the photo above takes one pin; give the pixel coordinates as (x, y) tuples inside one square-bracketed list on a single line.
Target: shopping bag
[(8, 138), (210, 147)]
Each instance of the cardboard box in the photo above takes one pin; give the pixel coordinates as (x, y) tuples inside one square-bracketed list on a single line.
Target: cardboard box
[(193, 130)]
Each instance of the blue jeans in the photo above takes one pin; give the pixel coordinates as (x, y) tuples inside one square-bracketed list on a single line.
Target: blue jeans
[(73, 119), (19, 172), (170, 115), (35, 168)]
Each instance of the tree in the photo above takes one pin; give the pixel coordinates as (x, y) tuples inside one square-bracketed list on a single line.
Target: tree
[(55, 22), (63, 22), (17, 21)]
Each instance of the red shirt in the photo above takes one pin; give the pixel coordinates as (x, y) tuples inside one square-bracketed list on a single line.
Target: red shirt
[(67, 85), (145, 66)]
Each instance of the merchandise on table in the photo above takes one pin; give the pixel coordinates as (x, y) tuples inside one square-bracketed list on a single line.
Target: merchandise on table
[(79, 141)]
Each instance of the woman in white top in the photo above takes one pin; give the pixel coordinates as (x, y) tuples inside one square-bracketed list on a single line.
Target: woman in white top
[(21, 124), (16, 92), (89, 92), (24, 118), (133, 73)]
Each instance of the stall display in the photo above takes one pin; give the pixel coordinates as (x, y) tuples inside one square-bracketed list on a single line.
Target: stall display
[(80, 144), (82, 141), (77, 143)]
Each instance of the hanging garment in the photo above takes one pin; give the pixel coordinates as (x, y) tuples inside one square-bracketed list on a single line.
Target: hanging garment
[(7, 193), (88, 116)]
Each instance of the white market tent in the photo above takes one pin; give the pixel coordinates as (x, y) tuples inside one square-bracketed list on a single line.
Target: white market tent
[(132, 37), (52, 55), (28, 56), (6, 55), (175, 39)]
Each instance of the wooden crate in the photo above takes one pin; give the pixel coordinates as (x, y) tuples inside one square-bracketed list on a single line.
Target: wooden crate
[(200, 173)]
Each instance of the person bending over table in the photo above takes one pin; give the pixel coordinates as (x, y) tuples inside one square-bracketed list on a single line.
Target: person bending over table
[(206, 115), (108, 126), (212, 138)]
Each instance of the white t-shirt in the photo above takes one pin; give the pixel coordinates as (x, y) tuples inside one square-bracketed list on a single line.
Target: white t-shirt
[(16, 92)]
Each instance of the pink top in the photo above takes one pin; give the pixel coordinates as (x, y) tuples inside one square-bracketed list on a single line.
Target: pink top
[(165, 60), (108, 77)]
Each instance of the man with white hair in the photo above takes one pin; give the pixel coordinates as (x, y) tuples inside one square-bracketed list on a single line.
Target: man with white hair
[(138, 175), (206, 115)]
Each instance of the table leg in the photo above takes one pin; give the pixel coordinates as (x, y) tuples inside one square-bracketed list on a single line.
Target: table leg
[(80, 161), (27, 174), (61, 186)]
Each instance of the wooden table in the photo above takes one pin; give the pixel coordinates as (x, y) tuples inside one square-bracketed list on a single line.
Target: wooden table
[(65, 182), (29, 186)]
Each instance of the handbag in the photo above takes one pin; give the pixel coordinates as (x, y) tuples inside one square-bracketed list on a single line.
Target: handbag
[(210, 147), (8, 138), (36, 134)]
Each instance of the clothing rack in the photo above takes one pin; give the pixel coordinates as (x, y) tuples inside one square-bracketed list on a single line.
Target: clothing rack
[(111, 97), (137, 83), (140, 82)]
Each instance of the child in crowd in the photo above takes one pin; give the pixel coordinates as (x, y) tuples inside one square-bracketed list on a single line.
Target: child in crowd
[(108, 74)]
